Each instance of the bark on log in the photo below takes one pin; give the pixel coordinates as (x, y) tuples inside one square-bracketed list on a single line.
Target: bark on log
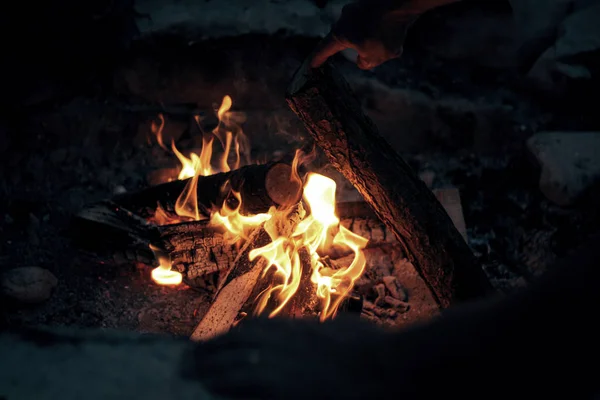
[(238, 289), (332, 114), (200, 252), (261, 186)]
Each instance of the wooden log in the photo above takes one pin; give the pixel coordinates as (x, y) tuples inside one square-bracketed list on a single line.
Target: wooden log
[(260, 186), (199, 251), (111, 231), (238, 289), (332, 114)]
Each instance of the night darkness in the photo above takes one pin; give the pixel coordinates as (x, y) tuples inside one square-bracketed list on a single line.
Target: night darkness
[(492, 107)]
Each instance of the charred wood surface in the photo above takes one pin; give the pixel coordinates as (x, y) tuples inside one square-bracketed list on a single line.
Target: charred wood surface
[(202, 253), (260, 186), (332, 114), (199, 251), (238, 289)]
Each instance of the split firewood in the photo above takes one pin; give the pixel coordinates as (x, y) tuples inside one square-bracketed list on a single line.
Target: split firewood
[(332, 114), (392, 286), (199, 251), (260, 186), (239, 288)]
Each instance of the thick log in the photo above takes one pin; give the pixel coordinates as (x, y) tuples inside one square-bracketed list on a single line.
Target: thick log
[(199, 251), (260, 186), (236, 296), (333, 116)]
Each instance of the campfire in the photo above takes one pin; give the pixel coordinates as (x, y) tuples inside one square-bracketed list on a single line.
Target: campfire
[(270, 238), (297, 247)]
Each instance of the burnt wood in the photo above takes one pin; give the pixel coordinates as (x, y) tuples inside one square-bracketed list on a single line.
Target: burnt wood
[(202, 253), (332, 114), (261, 186), (238, 291)]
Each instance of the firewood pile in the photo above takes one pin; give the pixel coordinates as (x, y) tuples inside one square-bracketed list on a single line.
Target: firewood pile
[(184, 228)]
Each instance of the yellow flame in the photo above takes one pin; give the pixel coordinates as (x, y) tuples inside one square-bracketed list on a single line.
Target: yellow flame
[(314, 233), (233, 142), (158, 130), (163, 274), (236, 224)]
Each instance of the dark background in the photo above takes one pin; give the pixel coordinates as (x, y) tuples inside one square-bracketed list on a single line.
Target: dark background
[(81, 80)]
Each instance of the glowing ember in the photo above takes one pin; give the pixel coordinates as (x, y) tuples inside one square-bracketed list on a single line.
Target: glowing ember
[(319, 230), (163, 275)]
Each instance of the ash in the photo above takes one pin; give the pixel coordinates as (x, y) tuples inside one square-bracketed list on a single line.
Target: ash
[(454, 113)]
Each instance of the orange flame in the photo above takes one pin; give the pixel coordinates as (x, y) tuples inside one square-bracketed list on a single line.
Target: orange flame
[(158, 130), (201, 164), (232, 139), (163, 275), (314, 234), (236, 224)]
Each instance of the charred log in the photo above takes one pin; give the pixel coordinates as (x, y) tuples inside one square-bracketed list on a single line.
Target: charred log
[(237, 295), (260, 186), (332, 114), (199, 251)]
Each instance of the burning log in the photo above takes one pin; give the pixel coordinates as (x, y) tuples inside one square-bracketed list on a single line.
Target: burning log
[(196, 248), (199, 251), (323, 100), (237, 294), (261, 186)]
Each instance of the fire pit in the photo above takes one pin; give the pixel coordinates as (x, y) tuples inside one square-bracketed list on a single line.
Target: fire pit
[(261, 238), (269, 238)]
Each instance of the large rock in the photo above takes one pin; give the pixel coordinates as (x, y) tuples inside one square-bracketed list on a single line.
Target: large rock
[(570, 163), (568, 59), (535, 19), (413, 121), (70, 365), (28, 284), (201, 20)]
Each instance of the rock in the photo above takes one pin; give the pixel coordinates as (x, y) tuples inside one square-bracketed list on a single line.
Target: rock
[(568, 57), (380, 290), (201, 20), (535, 19), (400, 306), (569, 162), (413, 121), (427, 177), (390, 284), (580, 32), (95, 364), (28, 284), (450, 200), (119, 189), (395, 289)]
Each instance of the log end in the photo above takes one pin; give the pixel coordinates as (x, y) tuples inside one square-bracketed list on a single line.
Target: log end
[(282, 186)]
